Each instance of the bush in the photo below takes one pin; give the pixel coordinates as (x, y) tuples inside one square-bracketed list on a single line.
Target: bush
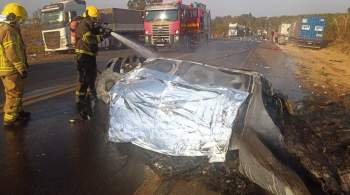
[(31, 33), (337, 32)]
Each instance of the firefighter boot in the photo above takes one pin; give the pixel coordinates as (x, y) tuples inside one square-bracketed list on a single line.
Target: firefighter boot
[(18, 121), (82, 108), (25, 115)]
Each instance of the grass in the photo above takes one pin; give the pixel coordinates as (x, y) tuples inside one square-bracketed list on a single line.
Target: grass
[(35, 49), (323, 73)]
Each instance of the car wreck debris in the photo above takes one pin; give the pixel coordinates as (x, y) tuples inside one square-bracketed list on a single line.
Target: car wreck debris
[(166, 114), (184, 116)]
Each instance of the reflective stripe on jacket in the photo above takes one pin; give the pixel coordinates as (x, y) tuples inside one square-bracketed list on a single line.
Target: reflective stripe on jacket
[(86, 39), (12, 50)]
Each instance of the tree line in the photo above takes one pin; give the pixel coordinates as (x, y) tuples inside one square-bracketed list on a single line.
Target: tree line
[(140, 4)]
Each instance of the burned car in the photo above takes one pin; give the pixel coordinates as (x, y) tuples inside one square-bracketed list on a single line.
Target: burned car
[(184, 114)]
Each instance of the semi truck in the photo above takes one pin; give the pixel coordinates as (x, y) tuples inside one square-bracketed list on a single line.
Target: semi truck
[(308, 31), (236, 30), (171, 25), (259, 32), (283, 31), (56, 19)]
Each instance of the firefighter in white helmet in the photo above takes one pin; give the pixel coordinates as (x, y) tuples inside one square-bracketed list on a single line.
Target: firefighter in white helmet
[(13, 62)]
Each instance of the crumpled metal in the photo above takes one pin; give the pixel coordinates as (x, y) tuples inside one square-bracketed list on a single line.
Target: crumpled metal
[(166, 114)]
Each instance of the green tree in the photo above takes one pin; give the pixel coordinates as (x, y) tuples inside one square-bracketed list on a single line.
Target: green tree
[(140, 4)]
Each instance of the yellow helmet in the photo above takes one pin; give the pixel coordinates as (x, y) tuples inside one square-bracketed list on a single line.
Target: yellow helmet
[(14, 12), (92, 11)]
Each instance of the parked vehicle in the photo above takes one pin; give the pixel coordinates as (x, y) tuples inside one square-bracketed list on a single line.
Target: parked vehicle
[(55, 23), (284, 29), (236, 30), (122, 21), (308, 31), (259, 32), (171, 24), (58, 16)]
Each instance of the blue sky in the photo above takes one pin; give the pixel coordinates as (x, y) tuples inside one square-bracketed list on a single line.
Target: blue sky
[(226, 7)]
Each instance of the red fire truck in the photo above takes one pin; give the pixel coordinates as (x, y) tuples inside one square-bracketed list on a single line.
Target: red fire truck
[(171, 25)]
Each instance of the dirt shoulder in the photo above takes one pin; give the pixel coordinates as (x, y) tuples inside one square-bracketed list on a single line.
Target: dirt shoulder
[(322, 72)]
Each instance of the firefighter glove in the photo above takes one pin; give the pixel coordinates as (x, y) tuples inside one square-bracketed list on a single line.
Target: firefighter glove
[(24, 74), (104, 35)]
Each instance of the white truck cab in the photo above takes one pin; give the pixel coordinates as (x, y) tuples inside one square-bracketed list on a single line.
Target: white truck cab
[(56, 18)]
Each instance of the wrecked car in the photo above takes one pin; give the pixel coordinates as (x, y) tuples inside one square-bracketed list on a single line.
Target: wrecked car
[(183, 115)]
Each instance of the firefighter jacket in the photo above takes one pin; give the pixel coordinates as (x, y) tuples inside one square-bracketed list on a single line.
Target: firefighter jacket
[(87, 40), (12, 50)]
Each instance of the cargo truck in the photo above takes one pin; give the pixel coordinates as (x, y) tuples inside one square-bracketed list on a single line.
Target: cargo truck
[(284, 29), (171, 25), (308, 31), (236, 30), (56, 19), (259, 32), (128, 23)]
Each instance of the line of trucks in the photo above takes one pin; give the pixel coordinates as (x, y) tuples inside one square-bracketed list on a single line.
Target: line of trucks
[(167, 24), (308, 31)]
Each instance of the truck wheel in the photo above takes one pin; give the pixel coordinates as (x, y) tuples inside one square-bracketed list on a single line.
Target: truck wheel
[(206, 40)]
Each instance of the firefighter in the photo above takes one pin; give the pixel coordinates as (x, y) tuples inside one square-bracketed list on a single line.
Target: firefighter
[(13, 63), (88, 37)]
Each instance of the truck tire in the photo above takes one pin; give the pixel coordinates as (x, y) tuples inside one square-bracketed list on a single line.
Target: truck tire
[(206, 40)]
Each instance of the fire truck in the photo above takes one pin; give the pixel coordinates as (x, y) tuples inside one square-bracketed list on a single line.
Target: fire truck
[(171, 25)]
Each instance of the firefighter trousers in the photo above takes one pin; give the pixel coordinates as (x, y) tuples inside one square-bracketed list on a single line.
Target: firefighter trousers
[(14, 87), (87, 74)]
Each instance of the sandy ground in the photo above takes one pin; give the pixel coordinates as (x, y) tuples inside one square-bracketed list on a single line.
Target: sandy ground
[(322, 72)]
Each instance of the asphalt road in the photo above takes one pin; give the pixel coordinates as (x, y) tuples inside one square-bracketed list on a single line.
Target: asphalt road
[(47, 155)]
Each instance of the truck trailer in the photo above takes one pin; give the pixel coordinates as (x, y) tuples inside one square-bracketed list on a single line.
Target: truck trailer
[(308, 31), (125, 22), (284, 29), (57, 17)]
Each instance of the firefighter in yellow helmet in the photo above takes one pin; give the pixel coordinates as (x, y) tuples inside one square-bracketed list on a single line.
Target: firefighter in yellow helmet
[(13, 62), (88, 37)]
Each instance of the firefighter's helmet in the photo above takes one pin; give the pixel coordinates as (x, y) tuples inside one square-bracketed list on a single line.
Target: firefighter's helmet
[(92, 12), (14, 12)]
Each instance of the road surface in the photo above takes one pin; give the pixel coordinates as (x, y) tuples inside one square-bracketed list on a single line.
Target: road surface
[(47, 155)]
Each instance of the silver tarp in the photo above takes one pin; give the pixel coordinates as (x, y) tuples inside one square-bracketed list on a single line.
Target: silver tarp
[(166, 114)]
